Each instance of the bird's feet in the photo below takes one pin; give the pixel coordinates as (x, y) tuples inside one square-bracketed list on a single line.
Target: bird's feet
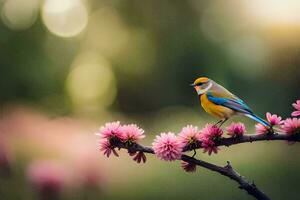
[(221, 122), (194, 154), (216, 124)]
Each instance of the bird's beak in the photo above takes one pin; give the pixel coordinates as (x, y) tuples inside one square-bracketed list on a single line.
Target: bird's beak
[(193, 85)]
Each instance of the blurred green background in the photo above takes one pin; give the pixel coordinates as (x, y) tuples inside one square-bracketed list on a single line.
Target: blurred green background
[(68, 66)]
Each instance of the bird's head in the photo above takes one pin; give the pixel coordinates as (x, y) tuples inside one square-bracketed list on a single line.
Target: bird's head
[(202, 85)]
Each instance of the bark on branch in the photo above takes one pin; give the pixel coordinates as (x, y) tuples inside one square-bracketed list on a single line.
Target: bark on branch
[(254, 138), (228, 171)]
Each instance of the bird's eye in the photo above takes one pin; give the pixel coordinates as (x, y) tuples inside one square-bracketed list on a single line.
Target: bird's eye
[(199, 84)]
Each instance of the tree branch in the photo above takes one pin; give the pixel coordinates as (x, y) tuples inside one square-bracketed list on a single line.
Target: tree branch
[(227, 170), (254, 138), (230, 173)]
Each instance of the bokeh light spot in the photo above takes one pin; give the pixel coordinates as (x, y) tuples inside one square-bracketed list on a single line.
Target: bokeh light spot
[(65, 18), (91, 82), (19, 14)]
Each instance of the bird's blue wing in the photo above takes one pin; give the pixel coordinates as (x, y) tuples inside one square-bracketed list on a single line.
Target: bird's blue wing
[(235, 104)]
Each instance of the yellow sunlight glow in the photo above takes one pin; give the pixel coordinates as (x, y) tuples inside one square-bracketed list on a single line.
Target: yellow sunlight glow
[(275, 12)]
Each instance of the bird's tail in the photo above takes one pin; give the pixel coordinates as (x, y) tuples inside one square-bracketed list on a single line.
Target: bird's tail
[(258, 119)]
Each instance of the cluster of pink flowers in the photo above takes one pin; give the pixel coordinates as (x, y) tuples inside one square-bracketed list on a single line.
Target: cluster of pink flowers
[(273, 120), (288, 126), (169, 146), (113, 133), (166, 146)]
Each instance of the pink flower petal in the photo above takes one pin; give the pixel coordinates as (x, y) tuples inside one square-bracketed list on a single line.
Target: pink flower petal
[(296, 113), (107, 148), (297, 105)]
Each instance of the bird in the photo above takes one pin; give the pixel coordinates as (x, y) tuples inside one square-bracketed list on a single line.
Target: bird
[(220, 103)]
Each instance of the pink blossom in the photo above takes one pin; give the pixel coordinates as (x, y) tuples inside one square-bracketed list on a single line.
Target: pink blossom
[(291, 126), (132, 133), (139, 157), (167, 147), (297, 107), (210, 134), (188, 167), (236, 129), (261, 129), (111, 130), (274, 119), (106, 147), (189, 136), (47, 177), (209, 146)]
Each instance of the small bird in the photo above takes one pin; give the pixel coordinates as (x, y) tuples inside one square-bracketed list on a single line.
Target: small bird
[(219, 102)]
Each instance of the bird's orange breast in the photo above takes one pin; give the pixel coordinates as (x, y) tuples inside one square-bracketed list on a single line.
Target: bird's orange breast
[(215, 110)]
